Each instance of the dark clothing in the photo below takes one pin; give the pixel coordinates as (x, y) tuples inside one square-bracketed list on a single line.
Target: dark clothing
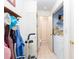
[(6, 35), (9, 41), (12, 34)]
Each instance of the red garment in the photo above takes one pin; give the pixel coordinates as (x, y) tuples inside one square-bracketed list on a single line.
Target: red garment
[(7, 52), (9, 41), (11, 47)]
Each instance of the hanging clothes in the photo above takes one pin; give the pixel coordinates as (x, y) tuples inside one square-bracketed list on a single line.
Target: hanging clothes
[(13, 22), (19, 45), (10, 20), (12, 34), (13, 37), (9, 41), (7, 19), (7, 52)]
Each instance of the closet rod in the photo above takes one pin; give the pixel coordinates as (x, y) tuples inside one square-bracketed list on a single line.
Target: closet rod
[(11, 12)]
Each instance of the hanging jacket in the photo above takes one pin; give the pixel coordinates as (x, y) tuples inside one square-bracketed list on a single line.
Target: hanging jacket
[(19, 45), (9, 41)]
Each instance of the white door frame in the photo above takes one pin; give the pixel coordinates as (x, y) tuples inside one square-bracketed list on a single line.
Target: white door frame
[(68, 20), (60, 5), (68, 27), (58, 8)]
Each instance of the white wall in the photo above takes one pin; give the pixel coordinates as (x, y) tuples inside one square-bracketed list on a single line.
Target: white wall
[(29, 22), (44, 13), (18, 8)]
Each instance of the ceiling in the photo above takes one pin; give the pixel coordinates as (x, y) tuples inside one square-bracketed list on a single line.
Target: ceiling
[(45, 5)]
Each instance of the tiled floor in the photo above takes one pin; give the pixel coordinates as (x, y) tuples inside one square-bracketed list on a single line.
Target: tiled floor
[(44, 52)]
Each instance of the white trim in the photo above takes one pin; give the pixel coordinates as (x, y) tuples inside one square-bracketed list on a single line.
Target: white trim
[(61, 5), (68, 27), (54, 11)]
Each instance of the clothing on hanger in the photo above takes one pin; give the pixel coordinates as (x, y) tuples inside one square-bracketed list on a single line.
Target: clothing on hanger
[(7, 52), (12, 35), (7, 18), (9, 41), (13, 22), (19, 45), (10, 20)]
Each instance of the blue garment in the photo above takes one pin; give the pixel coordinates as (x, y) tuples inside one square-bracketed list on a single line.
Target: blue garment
[(19, 45), (13, 22)]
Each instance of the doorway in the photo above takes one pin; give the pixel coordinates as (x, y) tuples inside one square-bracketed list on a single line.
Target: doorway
[(58, 33), (44, 38)]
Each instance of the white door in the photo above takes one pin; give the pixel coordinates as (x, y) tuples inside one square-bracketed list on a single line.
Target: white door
[(45, 31), (59, 46), (58, 34)]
